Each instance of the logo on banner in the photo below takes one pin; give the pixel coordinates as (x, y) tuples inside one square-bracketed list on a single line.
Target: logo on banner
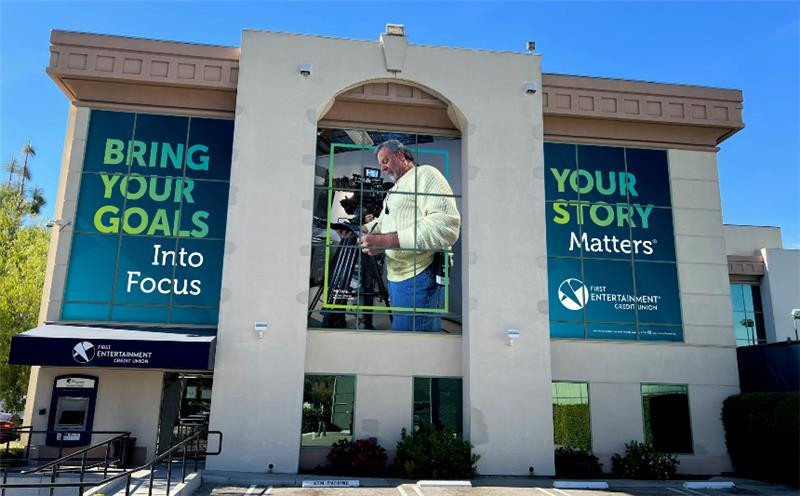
[(572, 294), (83, 352)]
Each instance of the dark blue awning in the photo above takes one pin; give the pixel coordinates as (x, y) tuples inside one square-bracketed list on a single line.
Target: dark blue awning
[(115, 347)]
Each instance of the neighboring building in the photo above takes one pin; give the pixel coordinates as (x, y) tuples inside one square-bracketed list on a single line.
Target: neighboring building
[(765, 292), (567, 237)]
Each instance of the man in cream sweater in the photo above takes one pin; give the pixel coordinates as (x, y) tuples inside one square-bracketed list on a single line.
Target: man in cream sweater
[(416, 221)]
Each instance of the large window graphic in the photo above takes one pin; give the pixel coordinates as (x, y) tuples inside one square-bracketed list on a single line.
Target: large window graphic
[(385, 237), (610, 244), (150, 224)]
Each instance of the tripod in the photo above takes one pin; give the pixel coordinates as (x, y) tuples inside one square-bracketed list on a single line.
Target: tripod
[(340, 289)]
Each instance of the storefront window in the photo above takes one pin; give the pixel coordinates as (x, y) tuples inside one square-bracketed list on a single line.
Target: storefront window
[(328, 409), (667, 423), (571, 420), (437, 403), (748, 315), (610, 244), (386, 228)]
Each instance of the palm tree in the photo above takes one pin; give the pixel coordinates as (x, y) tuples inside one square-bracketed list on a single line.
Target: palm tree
[(11, 168), (25, 172), (37, 200)]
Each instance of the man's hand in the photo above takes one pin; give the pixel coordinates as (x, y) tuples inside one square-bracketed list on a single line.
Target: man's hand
[(375, 244)]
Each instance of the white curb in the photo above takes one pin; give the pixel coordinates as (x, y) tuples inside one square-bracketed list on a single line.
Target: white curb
[(443, 483), (709, 485), (580, 484)]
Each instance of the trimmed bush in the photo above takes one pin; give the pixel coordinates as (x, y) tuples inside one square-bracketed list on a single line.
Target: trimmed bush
[(641, 461), (363, 457), (575, 463), (762, 434), (435, 454)]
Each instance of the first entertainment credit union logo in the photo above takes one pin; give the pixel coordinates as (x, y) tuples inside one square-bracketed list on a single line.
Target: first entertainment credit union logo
[(572, 294), (83, 352)]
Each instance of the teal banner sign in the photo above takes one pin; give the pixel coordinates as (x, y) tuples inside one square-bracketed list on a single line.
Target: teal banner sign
[(610, 244), (150, 224)]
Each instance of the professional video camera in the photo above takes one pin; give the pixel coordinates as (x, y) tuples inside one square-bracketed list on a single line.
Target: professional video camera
[(369, 191)]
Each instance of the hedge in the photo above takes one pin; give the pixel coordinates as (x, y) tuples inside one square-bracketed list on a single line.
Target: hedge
[(763, 436)]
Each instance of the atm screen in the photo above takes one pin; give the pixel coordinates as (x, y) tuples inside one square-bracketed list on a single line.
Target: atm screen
[(71, 413)]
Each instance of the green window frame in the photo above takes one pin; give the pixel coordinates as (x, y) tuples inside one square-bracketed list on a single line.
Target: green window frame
[(572, 421), (667, 417), (438, 403)]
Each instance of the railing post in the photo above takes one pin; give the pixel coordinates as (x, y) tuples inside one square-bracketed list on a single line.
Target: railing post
[(152, 469), (169, 471), (128, 484), (105, 461), (83, 468), (60, 445), (196, 451), (183, 468), (5, 478), (28, 445), (53, 478)]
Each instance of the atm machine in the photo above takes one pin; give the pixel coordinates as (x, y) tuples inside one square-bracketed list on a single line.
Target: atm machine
[(72, 411)]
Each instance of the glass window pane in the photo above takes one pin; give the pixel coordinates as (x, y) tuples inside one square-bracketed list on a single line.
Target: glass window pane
[(438, 403), (571, 418), (328, 409), (667, 421), (737, 300)]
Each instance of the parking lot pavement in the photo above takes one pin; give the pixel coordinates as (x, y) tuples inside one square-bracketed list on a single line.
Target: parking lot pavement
[(743, 487)]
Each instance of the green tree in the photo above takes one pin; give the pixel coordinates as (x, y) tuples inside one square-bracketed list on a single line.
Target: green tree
[(23, 256)]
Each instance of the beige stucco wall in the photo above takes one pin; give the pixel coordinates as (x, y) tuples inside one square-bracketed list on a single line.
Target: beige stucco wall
[(273, 165), (706, 361), (127, 400), (749, 240)]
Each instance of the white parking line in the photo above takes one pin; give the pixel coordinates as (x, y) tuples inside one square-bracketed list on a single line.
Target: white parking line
[(417, 490), (678, 491), (692, 491), (559, 491), (250, 490), (547, 491), (402, 491)]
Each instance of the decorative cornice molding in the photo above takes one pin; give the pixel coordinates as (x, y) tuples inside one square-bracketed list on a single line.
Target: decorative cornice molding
[(574, 98), (745, 265), (121, 72)]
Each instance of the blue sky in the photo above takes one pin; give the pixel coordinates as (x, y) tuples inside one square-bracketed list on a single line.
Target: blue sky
[(754, 47)]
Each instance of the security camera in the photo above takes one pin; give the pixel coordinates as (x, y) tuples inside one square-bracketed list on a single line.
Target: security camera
[(61, 223), (305, 69), (531, 46), (530, 87)]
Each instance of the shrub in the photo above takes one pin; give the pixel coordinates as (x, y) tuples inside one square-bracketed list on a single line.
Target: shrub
[(435, 454), (641, 461), (576, 463), (762, 435), (571, 425), (362, 457)]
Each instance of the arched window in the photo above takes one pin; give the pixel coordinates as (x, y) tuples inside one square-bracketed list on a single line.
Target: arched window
[(386, 253)]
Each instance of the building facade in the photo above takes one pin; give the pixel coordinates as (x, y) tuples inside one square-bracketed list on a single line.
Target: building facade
[(204, 270)]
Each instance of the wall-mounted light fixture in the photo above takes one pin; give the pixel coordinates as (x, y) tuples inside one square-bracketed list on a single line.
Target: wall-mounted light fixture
[(304, 69), (260, 327), (513, 335), (61, 223)]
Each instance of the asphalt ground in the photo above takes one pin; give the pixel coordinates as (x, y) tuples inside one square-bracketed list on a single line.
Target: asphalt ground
[(629, 488)]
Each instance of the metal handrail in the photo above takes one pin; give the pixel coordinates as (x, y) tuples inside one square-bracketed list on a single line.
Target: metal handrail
[(82, 451), (80, 485), (27, 429)]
